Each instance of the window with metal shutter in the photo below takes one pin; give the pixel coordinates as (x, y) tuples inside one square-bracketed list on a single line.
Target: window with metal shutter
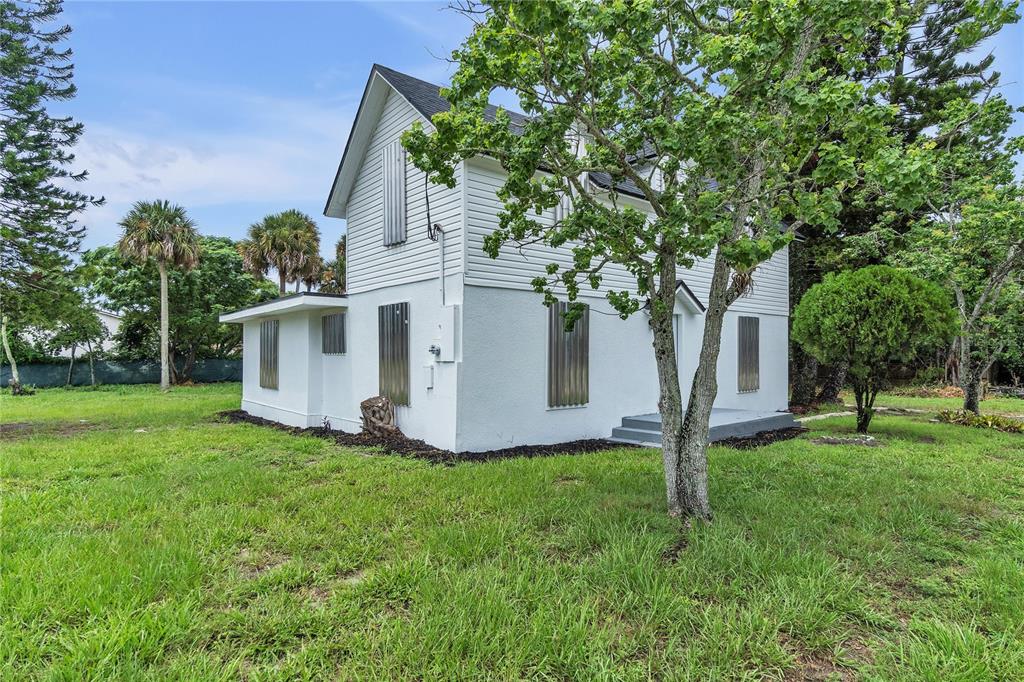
[(268, 353), (332, 337), (568, 358), (393, 180), (393, 356), (749, 364)]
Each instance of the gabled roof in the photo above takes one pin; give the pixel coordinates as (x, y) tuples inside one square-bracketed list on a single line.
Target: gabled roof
[(689, 298), (425, 97)]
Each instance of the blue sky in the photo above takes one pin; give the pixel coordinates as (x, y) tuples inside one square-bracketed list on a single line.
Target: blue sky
[(239, 109)]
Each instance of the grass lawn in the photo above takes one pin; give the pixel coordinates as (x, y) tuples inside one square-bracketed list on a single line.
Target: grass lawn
[(151, 542)]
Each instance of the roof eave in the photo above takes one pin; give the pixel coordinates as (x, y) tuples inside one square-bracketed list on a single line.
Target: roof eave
[(300, 302), (374, 96)]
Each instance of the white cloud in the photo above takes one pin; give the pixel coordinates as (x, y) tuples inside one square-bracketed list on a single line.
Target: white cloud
[(273, 150)]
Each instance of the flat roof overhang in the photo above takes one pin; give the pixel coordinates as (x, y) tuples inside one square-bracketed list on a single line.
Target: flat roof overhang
[(300, 302)]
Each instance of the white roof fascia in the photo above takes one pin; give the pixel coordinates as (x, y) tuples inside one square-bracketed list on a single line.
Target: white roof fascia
[(286, 305)]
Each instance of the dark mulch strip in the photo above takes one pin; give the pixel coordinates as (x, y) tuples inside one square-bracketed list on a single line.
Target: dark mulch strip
[(761, 438), (408, 447)]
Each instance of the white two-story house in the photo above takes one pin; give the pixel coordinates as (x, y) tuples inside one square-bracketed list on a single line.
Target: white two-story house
[(460, 342)]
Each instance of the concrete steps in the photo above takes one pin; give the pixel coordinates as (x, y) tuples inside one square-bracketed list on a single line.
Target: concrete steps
[(645, 429)]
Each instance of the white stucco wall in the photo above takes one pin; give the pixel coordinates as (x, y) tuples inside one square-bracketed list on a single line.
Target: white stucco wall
[(430, 415), (313, 386), (297, 371), (503, 396)]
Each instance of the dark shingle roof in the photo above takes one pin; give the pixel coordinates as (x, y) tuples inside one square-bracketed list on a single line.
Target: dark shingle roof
[(426, 98)]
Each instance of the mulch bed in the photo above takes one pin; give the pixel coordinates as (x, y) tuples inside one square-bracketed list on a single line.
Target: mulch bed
[(417, 449)]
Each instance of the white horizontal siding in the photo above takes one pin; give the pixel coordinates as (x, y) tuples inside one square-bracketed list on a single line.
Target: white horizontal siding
[(373, 265), (515, 268)]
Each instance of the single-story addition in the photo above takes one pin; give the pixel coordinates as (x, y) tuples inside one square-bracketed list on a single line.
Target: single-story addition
[(460, 342)]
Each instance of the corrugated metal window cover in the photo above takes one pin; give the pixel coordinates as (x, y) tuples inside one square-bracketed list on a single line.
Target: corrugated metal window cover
[(332, 338), (269, 333), (393, 196), (393, 346), (568, 358), (749, 362)]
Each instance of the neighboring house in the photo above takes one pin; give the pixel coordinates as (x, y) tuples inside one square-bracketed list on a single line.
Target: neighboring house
[(460, 342), (112, 322)]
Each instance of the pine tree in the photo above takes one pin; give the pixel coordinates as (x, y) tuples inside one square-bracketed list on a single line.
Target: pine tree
[(38, 211), (933, 68)]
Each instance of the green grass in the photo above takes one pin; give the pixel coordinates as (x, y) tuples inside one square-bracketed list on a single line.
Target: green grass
[(201, 550)]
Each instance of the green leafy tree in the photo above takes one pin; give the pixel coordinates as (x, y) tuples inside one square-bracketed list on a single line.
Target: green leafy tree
[(160, 232), (933, 65), (870, 319), (79, 326), (288, 242), (218, 284), (720, 116), (38, 206), (333, 280), (972, 238)]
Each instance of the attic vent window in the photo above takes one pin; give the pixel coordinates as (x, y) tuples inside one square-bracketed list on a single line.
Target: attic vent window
[(393, 179)]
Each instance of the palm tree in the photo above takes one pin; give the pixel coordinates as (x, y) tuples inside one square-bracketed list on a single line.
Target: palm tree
[(288, 241), (313, 272), (333, 280), (162, 232)]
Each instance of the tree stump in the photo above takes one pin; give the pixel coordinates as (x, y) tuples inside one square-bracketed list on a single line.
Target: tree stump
[(378, 415)]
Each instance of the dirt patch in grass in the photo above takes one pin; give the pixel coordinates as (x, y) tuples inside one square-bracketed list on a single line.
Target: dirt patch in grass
[(672, 552), (253, 564), (418, 449), (867, 441), (761, 439), (817, 668), (820, 666), (18, 430), (353, 577)]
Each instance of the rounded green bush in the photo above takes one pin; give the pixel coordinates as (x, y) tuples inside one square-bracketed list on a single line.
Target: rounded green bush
[(871, 318)]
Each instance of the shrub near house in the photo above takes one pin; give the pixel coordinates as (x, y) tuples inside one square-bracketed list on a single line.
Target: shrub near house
[(871, 318)]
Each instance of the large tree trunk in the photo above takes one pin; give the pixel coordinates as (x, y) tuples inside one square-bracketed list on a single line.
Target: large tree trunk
[(281, 281), (970, 376), (971, 386), (685, 436), (670, 399), (834, 383), (693, 442), (15, 377), (165, 331), (71, 366), (805, 377)]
